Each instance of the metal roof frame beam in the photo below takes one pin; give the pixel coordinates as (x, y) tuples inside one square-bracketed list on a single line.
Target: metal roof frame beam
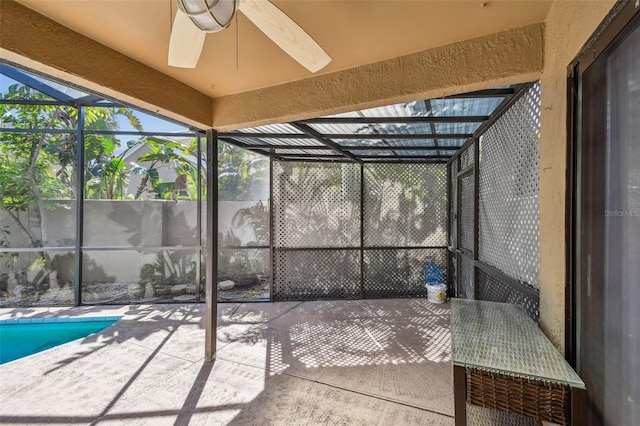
[(518, 92), (396, 120), (401, 148), (260, 141), (325, 139), (263, 150), (392, 136), (253, 147), (396, 160), (403, 157)]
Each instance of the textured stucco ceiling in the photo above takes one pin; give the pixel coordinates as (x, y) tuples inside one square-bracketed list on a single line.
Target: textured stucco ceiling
[(354, 33)]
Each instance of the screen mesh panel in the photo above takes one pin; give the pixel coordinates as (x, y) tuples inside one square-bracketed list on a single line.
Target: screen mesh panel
[(494, 290), (405, 205), (453, 273), (466, 158), (316, 274), (398, 272), (453, 215), (316, 204), (508, 192), (317, 217), (508, 230), (243, 225), (466, 212), (250, 271), (466, 283)]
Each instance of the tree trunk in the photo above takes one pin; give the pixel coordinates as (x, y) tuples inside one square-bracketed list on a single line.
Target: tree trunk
[(22, 228), (142, 186), (36, 191), (35, 153)]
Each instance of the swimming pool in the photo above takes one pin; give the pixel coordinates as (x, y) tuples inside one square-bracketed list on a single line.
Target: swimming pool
[(22, 337)]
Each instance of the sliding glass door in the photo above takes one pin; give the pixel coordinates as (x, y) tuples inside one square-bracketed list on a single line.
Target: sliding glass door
[(607, 230)]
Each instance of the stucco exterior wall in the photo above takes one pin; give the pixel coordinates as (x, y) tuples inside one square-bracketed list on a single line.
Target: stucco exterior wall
[(569, 25), (108, 223), (508, 57)]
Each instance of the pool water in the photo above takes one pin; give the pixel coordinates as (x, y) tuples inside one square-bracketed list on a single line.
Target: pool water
[(22, 337)]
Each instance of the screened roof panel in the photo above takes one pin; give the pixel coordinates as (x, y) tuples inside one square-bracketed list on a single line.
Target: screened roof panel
[(451, 142), (323, 152), (452, 128), (272, 128), (409, 109), (400, 153), (69, 91), (345, 143), (54, 91), (63, 95), (6, 83), (403, 148), (394, 128), (420, 153), (275, 141), (431, 129), (440, 126), (464, 107), (339, 128), (411, 142), (141, 121), (369, 153)]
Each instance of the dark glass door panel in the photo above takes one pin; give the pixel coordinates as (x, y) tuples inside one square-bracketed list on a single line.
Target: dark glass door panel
[(608, 226)]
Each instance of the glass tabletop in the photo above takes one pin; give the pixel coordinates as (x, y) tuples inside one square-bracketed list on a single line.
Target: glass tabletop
[(502, 337)]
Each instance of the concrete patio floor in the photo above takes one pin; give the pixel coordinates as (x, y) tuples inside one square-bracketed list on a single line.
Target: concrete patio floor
[(361, 362)]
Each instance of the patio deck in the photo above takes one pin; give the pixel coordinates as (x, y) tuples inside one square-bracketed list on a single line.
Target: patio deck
[(360, 362)]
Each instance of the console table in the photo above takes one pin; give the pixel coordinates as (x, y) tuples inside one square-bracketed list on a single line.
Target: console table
[(503, 361)]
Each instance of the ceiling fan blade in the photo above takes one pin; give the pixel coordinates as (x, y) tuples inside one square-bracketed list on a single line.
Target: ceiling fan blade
[(285, 33), (186, 42)]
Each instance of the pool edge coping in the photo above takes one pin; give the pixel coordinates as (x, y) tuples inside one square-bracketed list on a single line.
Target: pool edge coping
[(49, 320)]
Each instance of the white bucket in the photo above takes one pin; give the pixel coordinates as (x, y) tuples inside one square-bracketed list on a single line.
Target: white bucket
[(436, 293)]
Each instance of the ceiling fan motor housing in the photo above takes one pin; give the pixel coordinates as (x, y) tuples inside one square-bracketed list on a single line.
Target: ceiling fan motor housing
[(209, 15)]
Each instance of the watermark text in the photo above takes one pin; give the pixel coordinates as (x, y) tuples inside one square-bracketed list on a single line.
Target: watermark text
[(622, 213)]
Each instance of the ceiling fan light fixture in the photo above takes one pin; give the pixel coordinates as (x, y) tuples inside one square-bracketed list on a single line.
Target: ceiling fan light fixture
[(197, 17), (209, 15)]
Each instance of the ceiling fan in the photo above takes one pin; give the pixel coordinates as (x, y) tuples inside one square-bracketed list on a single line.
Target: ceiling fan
[(195, 18)]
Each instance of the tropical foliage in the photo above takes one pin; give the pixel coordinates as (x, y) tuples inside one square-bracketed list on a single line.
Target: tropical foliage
[(241, 174), (48, 160), (39, 168)]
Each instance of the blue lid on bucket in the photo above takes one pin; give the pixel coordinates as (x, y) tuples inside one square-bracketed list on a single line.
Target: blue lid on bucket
[(432, 272)]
